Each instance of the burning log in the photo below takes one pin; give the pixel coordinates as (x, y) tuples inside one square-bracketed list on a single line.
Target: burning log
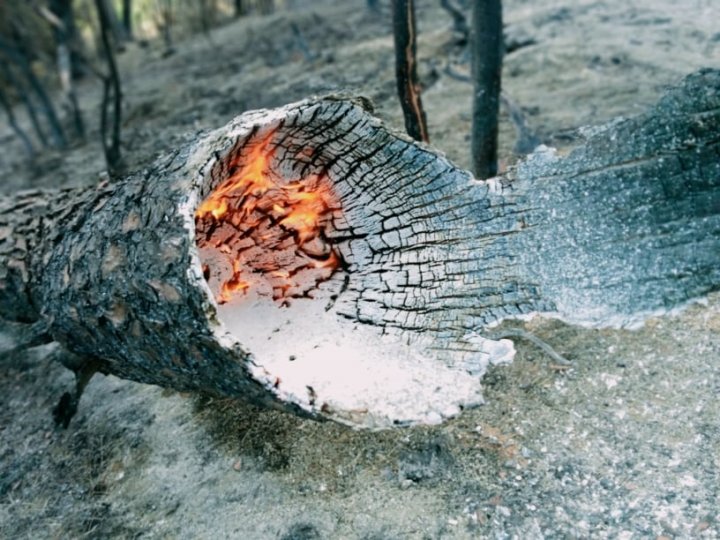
[(311, 258)]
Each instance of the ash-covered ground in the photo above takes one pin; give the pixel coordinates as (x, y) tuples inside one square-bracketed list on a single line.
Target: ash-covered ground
[(624, 444)]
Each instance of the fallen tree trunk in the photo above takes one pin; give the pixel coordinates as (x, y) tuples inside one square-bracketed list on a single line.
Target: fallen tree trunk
[(311, 258)]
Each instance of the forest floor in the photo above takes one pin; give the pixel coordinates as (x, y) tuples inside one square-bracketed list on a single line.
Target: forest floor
[(624, 444)]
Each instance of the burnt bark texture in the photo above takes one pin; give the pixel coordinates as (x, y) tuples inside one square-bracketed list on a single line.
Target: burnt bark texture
[(487, 54), (627, 225), (408, 85)]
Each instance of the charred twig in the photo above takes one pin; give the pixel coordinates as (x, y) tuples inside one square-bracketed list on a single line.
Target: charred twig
[(406, 69), (84, 370), (460, 25), (527, 140), (532, 338)]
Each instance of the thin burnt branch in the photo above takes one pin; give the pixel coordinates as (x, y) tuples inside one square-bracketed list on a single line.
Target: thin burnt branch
[(17, 54), (405, 34), (27, 143), (460, 25)]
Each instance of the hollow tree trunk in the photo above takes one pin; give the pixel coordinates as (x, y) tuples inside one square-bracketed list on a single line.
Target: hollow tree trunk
[(426, 258)]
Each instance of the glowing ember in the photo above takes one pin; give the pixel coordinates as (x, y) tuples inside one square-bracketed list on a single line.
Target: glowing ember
[(258, 231)]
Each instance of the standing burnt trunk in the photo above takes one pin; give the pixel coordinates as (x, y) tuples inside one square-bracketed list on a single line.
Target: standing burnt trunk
[(112, 92), (404, 32), (487, 53), (309, 257)]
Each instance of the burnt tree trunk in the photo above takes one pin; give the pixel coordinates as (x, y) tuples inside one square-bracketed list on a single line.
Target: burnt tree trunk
[(487, 52), (112, 93), (626, 226), (404, 32)]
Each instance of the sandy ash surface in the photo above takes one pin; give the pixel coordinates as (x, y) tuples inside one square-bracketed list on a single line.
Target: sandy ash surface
[(624, 444)]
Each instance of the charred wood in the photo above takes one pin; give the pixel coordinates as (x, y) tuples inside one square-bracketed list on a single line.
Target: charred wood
[(427, 258)]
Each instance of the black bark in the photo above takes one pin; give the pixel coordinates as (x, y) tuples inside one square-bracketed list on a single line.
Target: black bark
[(625, 227), (404, 33), (487, 52)]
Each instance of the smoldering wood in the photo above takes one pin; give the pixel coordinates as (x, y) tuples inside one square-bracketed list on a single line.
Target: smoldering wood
[(408, 85), (624, 227), (486, 62)]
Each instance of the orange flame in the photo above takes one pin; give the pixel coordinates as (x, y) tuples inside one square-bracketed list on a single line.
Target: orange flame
[(273, 231)]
